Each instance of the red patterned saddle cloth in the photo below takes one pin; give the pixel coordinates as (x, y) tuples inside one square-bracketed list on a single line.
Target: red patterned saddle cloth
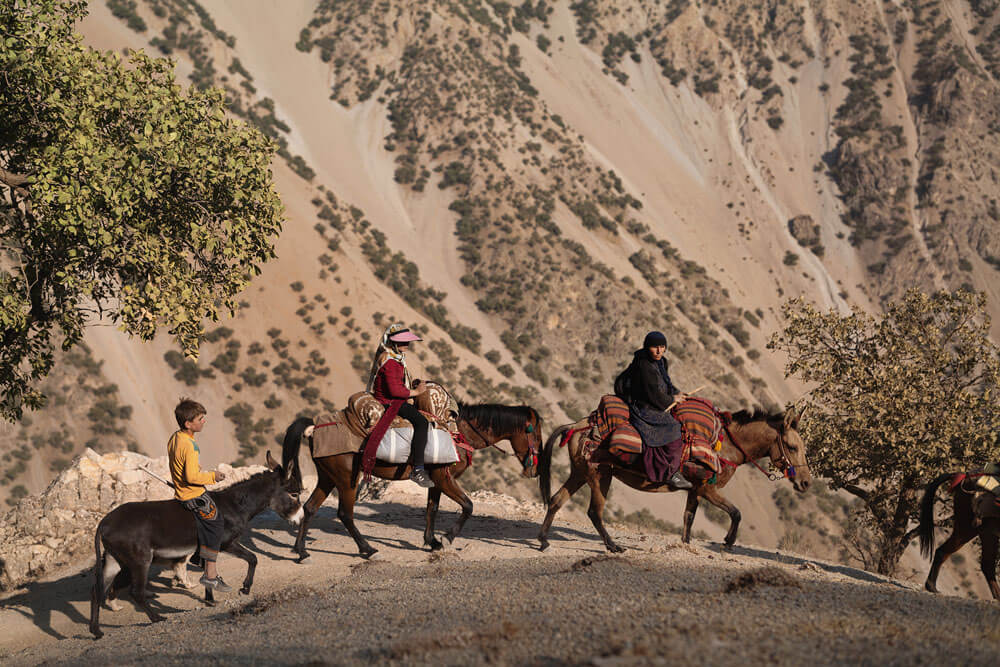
[(702, 431)]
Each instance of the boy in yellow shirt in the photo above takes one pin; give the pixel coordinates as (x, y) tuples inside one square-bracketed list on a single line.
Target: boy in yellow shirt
[(189, 488)]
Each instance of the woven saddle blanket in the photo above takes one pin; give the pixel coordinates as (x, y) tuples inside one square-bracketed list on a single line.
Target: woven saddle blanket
[(702, 431), (700, 426)]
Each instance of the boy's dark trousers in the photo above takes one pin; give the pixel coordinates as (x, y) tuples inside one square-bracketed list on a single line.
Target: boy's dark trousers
[(209, 523)]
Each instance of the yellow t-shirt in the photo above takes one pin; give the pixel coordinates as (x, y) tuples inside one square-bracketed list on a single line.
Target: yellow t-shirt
[(185, 471)]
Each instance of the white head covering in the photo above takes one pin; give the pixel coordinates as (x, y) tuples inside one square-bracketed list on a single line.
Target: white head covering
[(387, 350)]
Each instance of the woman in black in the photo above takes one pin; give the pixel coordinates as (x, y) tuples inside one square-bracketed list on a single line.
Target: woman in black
[(646, 387)]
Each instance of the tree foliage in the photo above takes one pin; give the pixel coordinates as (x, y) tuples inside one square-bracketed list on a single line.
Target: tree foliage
[(897, 400), (121, 196)]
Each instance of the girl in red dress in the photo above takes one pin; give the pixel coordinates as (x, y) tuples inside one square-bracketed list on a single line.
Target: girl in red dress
[(390, 384)]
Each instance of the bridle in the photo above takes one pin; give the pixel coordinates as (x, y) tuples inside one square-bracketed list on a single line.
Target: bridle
[(530, 457), (781, 466)]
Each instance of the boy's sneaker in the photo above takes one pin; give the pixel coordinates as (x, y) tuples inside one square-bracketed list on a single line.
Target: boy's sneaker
[(420, 476), (216, 584)]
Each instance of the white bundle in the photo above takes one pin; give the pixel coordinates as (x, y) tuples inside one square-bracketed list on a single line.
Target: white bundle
[(395, 446)]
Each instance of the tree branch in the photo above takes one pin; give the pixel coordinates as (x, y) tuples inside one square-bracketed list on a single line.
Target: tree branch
[(857, 491), (12, 179)]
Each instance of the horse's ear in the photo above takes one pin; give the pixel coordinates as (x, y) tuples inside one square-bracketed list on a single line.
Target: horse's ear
[(792, 418), (271, 463)]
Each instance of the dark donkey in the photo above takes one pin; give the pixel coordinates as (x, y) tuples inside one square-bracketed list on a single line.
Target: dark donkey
[(136, 534), (748, 438), (482, 426), (965, 527)]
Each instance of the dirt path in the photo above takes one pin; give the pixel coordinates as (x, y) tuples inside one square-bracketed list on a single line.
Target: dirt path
[(494, 598)]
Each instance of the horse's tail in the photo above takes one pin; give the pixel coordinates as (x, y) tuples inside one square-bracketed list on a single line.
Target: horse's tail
[(545, 464), (291, 444), (539, 426), (926, 528)]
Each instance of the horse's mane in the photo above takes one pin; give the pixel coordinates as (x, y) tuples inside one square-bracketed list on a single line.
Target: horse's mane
[(744, 417), (498, 418)]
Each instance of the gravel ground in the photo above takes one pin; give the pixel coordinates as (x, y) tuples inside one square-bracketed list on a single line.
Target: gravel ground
[(494, 600)]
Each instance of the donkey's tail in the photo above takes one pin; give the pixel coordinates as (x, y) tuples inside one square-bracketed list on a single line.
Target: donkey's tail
[(98, 565), (97, 594), (545, 463), (926, 527), (291, 444)]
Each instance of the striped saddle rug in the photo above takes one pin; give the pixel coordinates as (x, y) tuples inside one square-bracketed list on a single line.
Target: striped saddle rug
[(610, 419), (700, 424), (702, 430)]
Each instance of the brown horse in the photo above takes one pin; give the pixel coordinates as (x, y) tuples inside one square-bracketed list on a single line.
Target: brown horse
[(965, 526), (748, 438), (482, 425)]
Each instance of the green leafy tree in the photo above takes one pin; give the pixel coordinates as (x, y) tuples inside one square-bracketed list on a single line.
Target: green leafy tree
[(121, 197), (897, 400)]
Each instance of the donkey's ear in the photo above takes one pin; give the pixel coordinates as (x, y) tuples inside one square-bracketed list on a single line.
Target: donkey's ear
[(271, 463)]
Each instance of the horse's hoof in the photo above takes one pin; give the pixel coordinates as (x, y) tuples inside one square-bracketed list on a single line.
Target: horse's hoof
[(435, 545), (158, 619), (930, 588), (245, 590), (543, 545), (97, 633), (615, 549), (368, 553), (302, 557)]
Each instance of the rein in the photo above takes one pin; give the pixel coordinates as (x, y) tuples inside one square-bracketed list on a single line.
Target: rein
[(530, 458), (788, 470)]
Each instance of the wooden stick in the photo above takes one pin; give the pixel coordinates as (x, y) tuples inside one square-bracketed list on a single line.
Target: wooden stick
[(153, 474), (670, 407)]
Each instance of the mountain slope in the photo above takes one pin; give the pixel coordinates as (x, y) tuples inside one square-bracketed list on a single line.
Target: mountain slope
[(536, 186)]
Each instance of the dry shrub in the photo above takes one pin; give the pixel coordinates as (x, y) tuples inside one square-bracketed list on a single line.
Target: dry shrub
[(764, 576)]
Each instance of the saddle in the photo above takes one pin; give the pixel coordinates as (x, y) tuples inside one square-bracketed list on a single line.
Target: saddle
[(363, 412), (700, 425)]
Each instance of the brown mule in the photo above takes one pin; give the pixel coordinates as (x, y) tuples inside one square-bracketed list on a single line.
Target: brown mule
[(964, 527), (482, 426), (756, 435)]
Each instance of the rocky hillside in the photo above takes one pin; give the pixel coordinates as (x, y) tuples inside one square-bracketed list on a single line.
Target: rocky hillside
[(534, 186)]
